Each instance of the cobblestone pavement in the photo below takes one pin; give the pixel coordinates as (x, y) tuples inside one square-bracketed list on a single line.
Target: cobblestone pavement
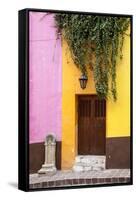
[(70, 178)]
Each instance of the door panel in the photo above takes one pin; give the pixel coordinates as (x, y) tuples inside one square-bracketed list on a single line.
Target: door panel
[(91, 125)]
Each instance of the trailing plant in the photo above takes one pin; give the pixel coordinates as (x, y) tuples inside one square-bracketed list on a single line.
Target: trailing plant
[(95, 41)]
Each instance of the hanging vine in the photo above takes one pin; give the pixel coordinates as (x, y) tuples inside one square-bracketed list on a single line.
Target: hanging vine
[(95, 41)]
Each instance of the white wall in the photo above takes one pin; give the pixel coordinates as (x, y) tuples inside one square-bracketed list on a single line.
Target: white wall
[(9, 101)]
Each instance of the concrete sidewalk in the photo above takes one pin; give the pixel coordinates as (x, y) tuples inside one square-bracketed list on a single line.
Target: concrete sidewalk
[(70, 178)]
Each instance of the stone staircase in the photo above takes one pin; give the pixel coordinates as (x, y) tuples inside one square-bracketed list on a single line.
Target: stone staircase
[(89, 163)]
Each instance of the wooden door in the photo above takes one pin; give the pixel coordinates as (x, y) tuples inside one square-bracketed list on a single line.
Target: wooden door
[(91, 125)]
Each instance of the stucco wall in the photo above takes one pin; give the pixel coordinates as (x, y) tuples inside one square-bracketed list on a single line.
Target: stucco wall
[(117, 115), (45, 65), (54, 85)]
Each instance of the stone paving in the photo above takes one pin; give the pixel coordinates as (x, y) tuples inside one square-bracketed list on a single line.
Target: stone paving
[(70, 178)]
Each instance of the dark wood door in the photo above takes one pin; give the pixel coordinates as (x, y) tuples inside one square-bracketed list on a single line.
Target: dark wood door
[(91, 125)]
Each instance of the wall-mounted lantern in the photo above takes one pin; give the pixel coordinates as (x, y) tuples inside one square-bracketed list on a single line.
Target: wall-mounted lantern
[(83, 81)]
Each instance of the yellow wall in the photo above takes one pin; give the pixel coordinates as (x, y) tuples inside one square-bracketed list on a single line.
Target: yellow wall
[(117, 120), (118, 113)]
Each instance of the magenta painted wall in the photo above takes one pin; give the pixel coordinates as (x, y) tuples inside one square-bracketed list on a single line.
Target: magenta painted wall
[(45, 65)]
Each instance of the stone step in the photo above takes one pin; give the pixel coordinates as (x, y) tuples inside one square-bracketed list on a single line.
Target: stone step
[(89, 163)]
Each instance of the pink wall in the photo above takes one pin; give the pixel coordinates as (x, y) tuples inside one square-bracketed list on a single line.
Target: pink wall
[(45, 64)]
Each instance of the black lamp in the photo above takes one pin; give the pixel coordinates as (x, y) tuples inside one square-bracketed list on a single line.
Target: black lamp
[(83, 81)]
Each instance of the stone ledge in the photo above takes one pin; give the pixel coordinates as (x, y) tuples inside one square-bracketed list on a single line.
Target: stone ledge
[(81, 181)]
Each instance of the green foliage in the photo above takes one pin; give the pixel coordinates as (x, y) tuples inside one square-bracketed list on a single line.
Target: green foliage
[(95, 41)]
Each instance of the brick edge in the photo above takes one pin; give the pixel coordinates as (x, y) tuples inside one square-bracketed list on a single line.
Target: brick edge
[(79, 182)]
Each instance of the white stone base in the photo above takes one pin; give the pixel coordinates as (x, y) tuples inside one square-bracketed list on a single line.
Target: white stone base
[(89, 163), (47, 169)]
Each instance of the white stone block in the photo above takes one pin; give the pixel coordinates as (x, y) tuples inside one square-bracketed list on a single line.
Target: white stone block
[(88, 168), (89, 162), (78, 168)]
